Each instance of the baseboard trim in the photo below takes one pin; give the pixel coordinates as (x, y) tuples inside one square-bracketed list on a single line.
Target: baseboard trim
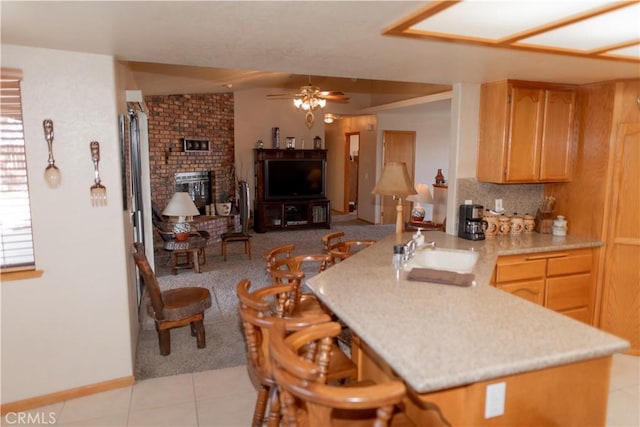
[(59, 396)]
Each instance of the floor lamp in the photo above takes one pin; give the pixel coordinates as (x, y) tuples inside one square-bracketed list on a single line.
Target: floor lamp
[(395, 182)]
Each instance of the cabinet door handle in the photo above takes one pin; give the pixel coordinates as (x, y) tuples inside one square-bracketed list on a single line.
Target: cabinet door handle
[(535, 257)]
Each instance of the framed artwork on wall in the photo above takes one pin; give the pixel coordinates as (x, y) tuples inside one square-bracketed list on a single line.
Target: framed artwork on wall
[(196, 145)]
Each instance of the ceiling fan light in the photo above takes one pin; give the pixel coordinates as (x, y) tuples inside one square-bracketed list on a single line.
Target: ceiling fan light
[(311, 97)]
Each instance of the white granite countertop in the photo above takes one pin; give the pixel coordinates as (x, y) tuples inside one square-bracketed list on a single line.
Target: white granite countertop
[(440, 336)]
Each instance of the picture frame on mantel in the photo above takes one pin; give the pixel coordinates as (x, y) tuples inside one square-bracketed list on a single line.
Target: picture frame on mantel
[(195, 145)]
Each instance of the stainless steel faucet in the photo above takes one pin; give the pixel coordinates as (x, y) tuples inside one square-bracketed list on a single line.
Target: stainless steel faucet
[(409, 250)]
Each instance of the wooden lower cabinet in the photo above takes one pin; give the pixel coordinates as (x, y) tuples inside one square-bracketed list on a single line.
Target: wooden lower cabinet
[(569, 295), (574, 394), (561, 281), (531, 290)]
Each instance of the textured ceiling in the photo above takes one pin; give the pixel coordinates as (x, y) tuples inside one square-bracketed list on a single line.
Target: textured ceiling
[(181, 47)]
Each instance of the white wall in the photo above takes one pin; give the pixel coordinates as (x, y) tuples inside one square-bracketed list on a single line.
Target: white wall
[(463, 152), (72, 326), (255, 115), (335, 142), (432, 125)]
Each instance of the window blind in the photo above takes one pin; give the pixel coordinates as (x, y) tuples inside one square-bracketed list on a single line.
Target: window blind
[(16, 239)]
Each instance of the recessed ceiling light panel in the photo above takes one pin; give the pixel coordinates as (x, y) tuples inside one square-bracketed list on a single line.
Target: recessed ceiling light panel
[(600, 31), (495, 20), (590, 28), (630, 51)]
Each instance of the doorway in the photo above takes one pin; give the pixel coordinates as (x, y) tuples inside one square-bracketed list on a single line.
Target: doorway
[(352, 148), (397, 146)]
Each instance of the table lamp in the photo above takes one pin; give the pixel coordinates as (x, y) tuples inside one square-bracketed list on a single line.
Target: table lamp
[(423, 196), (395, 182), (181, 206)]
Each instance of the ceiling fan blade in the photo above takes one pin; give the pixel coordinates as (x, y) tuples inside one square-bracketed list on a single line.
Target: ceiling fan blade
[(335, 98), (329, 92), (284, 95), (314, 92)]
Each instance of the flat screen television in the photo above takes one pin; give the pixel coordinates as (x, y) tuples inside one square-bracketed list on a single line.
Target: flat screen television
[(294, 179)]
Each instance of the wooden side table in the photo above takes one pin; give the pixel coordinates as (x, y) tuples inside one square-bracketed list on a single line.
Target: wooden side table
[(423, 225), (188, 250)]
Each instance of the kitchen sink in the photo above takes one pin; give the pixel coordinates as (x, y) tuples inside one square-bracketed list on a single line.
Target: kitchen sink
[(460, 261)]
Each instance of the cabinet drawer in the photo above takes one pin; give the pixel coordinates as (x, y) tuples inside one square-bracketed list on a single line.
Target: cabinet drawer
[(581, 314), (575, 262), (507, 271), (530, 290), (568, 292)]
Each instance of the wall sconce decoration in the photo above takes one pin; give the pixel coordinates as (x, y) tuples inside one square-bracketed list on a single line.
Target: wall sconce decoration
[(51, 174), (98, 191)]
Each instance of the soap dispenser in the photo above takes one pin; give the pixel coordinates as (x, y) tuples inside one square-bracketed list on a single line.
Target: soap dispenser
[(418, 238)]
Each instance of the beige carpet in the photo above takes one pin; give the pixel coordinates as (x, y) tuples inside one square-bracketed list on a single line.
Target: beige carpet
[(225, 344)]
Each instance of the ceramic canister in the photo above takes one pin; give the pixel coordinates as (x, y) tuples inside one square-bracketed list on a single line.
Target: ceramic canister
[(490, 224), (529, 223), (559, 226), (504, 225), (517, 224)]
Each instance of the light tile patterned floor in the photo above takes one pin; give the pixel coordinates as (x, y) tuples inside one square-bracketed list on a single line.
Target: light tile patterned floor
[(225, 398)]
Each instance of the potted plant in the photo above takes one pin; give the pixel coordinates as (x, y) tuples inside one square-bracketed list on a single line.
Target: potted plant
[(223, 206)]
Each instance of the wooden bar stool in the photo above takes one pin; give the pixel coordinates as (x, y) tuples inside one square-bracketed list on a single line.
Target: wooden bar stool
[(346, 248), (259, 309), (331, 240), (273, 256), (301, 364)]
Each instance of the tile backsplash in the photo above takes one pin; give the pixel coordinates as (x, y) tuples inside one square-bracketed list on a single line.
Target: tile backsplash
[(520, 198)]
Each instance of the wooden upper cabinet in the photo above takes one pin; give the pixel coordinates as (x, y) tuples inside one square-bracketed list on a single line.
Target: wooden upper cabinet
[(525, 132), (525, 122), (557, 146)]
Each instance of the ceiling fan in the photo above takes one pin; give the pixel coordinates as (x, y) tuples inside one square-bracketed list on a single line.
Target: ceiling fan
[(310, 97)]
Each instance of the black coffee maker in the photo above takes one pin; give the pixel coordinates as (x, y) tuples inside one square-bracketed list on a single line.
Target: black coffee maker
[(470, 222)]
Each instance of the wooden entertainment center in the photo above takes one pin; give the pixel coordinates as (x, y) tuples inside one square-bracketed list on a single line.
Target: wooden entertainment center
[(281, 212)]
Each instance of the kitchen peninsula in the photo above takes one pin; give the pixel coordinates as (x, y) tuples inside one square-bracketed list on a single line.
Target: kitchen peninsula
[(448, 343)]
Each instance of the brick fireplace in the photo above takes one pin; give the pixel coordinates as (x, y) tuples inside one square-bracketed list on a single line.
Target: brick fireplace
[(194, 117), (174, 118)]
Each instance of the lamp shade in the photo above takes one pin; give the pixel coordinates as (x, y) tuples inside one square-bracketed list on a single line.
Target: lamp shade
[(181, 205), (394, 181), (423, 196)]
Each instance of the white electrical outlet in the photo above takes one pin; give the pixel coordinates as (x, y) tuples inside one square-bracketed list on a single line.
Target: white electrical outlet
[(495, 397), (498, 207), (468, 202)]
